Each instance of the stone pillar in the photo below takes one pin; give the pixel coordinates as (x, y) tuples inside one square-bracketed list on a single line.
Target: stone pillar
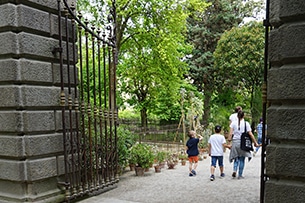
[(31, 146), (285, 161)]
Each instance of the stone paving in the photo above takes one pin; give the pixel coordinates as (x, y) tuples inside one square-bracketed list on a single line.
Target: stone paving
[(175, 186)]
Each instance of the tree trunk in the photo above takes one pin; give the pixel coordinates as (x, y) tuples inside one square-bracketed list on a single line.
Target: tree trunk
[(206, 110), (144, 119)]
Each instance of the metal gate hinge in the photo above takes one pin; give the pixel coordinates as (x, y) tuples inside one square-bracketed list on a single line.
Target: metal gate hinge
[(56, 50)]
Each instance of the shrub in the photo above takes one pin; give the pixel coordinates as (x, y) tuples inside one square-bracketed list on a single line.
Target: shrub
[(142, 155), (126, 140)]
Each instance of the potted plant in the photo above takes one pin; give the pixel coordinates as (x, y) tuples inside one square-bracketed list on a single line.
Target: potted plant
[(183, 157), (132, 162), (160, 160), (172, 160), (142, 155)]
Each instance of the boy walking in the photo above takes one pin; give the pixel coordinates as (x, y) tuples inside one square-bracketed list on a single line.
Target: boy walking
[(192, 151), (217, 142)]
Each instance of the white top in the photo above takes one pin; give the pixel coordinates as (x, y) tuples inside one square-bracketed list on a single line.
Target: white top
[(217, 140), (233, 117), (238, 131)]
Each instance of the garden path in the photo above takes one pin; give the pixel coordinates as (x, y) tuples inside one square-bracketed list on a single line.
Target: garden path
[(175, 186)]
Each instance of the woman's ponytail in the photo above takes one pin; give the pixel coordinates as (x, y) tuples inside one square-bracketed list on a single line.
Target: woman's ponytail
[(240, 115)]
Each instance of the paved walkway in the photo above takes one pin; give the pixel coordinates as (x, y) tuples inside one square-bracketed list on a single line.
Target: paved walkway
[(175, 186)]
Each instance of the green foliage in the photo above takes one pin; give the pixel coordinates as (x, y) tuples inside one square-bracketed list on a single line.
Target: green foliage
[(152, 54), (183, 156), (239, 61), (142, 155), (204, 31), (171, 158), (129, 114), (205, 137), (160, 156), (220, 116), (125, 141), (151, 45), (239, 55), (151, 50)]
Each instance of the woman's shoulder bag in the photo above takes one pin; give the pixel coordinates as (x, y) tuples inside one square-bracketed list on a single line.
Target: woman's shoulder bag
[(245, 141)]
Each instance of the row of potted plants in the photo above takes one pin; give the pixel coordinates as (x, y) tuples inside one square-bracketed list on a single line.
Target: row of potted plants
[(143, 156)]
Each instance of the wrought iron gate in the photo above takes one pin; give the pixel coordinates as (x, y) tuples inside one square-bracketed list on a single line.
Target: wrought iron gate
[(88, 102), (265, 140)]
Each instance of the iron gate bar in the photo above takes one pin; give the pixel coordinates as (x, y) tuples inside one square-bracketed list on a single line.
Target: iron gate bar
[(89, 130), (95, 181), (77, 112), (70, 133), (76, 163), (83, 154), (264, 95), (62, 97), (101, 110), (99, 116)]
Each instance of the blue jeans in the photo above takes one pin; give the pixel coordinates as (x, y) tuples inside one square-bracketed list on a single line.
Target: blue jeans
[(214, 160), (259, 141), (239, 163)]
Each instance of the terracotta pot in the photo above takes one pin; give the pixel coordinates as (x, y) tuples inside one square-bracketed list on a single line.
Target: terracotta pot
[(139, 171), (162, 164), (158, 169), (132, 167), (171, 165)]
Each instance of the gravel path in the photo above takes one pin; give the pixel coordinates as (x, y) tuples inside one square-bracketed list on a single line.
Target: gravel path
[(175, 186)]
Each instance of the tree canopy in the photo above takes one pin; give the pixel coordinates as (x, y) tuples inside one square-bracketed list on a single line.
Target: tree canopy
[(204, 31), (239, 61), (166, 45), (152, 47)]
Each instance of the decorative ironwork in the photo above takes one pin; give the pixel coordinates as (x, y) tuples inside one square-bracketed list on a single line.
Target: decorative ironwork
[(88, 59)]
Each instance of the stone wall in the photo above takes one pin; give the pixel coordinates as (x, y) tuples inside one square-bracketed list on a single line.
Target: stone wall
[(285, 162), (31, 144)]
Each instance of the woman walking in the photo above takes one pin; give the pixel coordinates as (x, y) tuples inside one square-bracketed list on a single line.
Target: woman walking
[(237, 154)]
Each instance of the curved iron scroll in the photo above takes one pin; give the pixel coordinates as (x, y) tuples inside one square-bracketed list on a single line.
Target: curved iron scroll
[(112, 37)]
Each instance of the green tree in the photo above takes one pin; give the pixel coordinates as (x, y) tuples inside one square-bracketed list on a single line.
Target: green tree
[(151, 68), (239, 61), (204, 31), (151, 45), (152, 49)]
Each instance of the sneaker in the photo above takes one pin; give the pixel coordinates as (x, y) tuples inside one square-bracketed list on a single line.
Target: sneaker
[(191, 174), (194, 172), (234, 174), (222, 175), (254, 153), (240, 177), (212, 177)]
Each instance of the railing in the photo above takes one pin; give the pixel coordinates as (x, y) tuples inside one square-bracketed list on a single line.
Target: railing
[(88, 104)]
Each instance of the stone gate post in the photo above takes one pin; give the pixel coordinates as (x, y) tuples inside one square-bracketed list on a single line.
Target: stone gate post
[(285, 162), (31, 146)]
